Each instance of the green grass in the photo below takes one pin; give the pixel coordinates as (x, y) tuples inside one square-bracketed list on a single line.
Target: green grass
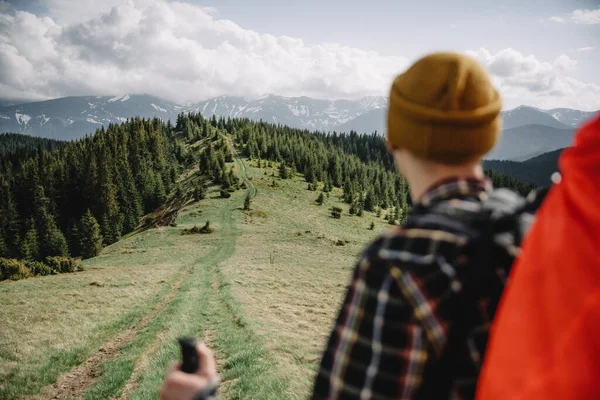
[(262, 291)]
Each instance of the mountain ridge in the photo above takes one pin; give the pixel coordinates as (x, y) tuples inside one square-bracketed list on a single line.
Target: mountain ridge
[(76, 116)]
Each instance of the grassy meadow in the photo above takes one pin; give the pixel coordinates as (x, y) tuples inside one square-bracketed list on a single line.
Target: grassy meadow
[(262, 290)]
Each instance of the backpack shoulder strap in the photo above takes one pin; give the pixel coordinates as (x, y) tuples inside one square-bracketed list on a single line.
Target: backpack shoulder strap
[(496, 228)]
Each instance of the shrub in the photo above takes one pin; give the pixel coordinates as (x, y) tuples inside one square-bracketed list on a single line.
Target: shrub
[(38, 268), (64, 264), (224, 194), (196, 229), (199, 192), (372, 226), (13, 269), (336, 212)]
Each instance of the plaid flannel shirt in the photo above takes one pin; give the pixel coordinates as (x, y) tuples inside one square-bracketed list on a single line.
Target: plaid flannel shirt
[(393, 323)]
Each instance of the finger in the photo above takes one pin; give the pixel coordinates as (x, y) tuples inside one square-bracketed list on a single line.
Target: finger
[(180, 379), (206, 363), (174, 367)]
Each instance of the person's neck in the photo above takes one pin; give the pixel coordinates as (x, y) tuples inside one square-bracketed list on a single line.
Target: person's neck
[(421, 180)]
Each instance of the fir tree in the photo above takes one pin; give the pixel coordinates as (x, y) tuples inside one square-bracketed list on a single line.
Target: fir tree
[(30, 249), (90, 238), (369, 202), (353, 209), (247, 202), (283, 174), (321, 199)]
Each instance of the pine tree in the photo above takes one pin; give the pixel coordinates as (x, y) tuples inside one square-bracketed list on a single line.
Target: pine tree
[(369, 202), (199, 192), (321, 199), (353, 209), (30, 249), (4, 253), (283, 174), (52, 241), (74, 238), (247, 202), (90, 238)]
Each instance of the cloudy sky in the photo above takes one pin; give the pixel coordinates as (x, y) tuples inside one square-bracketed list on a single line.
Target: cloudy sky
[(543, 53)]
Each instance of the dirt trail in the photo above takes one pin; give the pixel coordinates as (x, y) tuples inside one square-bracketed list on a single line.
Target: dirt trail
[(76, 382)]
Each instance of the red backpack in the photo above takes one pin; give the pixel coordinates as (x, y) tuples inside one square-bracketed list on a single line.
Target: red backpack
[(545, 339)]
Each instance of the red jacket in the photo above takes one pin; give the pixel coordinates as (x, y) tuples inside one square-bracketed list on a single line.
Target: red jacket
[(545, 340)]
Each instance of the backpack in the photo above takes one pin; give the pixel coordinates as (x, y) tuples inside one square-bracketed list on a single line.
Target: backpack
[(495, 233)]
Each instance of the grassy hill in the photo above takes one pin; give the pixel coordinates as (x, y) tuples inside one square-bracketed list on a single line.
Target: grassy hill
[(263, 290)]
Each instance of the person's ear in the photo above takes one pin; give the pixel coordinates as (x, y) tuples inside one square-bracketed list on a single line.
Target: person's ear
[(390, 147)]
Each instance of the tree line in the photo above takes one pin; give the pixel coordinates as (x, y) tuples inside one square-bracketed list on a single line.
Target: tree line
[(72, 198), (69, 199)]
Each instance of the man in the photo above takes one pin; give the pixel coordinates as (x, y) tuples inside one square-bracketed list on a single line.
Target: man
[(415, 320)]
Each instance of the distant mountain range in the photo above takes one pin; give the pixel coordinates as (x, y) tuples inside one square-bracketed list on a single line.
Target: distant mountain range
[(528, 131), (74, 117)]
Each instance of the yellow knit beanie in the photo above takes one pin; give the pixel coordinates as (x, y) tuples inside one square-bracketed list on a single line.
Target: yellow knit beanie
[(444, 108)]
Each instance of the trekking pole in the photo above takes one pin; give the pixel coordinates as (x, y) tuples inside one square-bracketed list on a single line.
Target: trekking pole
[(189, 356)]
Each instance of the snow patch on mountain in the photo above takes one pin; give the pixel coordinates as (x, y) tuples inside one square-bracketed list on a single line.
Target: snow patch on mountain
[(22, 118), (371, 102), (117, 98), (44, 118), (298, 110), (158, 108)]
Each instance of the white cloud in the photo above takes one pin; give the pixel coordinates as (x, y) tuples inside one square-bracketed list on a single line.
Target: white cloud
[(178, 51), (587, 17), (182, 52), (526, 80), (588, 48)]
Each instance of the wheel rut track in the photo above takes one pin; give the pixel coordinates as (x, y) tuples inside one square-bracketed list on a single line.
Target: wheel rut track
[(77, 381)]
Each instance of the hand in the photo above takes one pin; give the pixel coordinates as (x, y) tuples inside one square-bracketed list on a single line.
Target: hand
[(179, 385)]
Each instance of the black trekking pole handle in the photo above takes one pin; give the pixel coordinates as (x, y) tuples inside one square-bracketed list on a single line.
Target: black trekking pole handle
[(189, 355)]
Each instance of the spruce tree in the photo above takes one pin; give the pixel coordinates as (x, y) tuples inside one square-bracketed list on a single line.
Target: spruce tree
[(283, 174), (247, 202), (90, 238), (353, 208), (369, 202), (30, 249), (321, 199)]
